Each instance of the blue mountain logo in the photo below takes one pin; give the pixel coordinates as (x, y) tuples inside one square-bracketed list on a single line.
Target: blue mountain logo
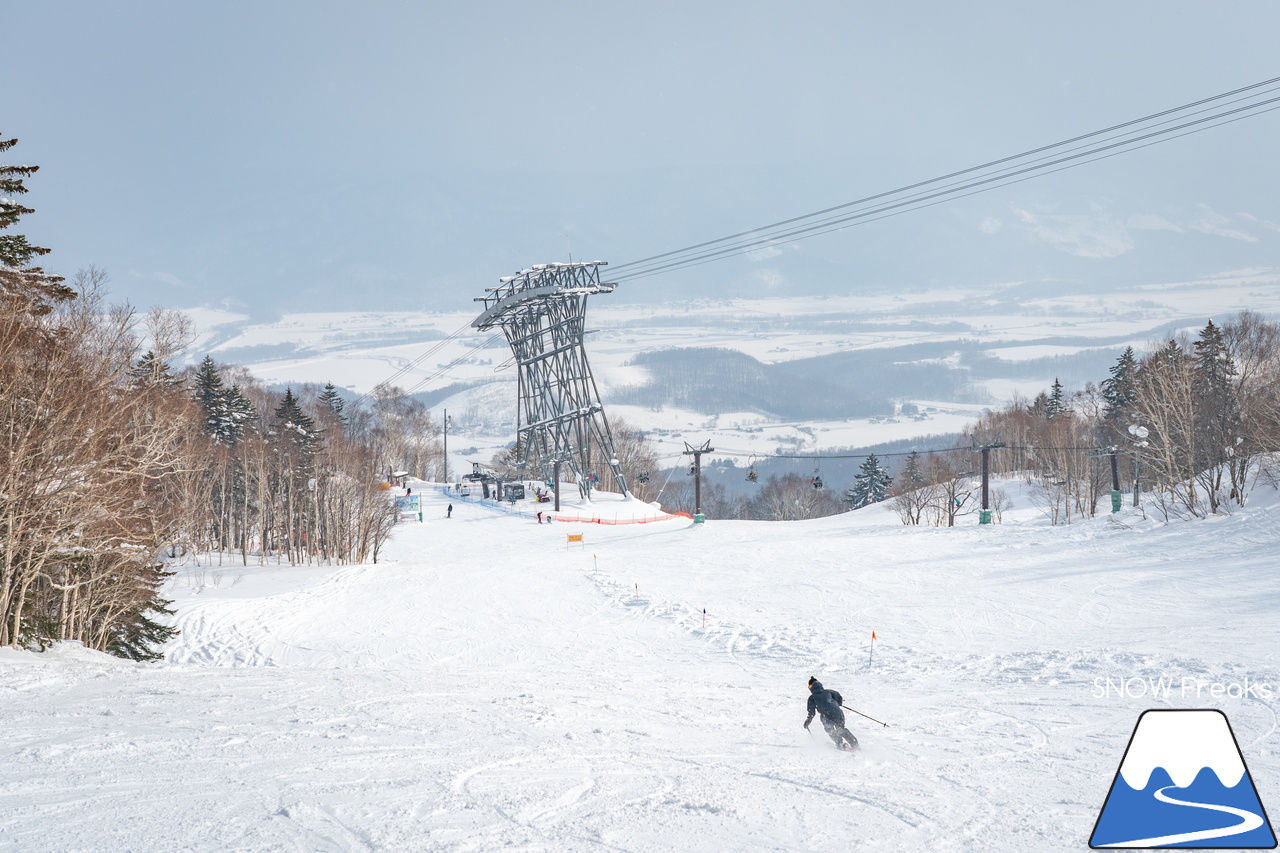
[(1183, 783)]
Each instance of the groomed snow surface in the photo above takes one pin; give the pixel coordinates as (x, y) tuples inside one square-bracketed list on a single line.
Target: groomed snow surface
[(484, 687)]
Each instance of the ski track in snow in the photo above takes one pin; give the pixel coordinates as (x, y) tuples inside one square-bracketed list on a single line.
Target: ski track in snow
[(483, 688)]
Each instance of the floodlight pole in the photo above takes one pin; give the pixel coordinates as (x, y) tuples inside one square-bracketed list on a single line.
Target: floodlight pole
[(1139, 433), (696, 453)]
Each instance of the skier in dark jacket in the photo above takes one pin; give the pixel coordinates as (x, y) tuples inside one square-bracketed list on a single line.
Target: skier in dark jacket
[(826, 703)]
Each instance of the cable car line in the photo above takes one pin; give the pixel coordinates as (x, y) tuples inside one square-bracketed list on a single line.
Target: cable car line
[(919, 184), (1136, 134), (1004, 177)]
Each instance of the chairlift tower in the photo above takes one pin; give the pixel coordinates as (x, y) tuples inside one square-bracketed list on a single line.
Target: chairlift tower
[(542, 312)]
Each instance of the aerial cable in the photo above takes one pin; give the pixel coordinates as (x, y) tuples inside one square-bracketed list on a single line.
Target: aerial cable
[(950, 175), (1014, 169), (443, 370), (984, 185), (1010, 171), (434, 348), (933, 200), (768, 233)]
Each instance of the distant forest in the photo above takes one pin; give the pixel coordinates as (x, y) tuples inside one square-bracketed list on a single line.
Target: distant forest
[(856, 384), (838, 474)]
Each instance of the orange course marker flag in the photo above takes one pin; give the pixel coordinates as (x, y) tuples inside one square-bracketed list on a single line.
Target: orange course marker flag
[(873, 635)]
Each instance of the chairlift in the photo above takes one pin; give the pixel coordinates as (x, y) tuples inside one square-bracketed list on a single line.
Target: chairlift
[(1055, 478), (752, 477), (642, 478), (817, 478)]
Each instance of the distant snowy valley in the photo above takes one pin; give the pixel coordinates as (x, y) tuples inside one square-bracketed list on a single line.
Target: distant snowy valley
[(755, 377)]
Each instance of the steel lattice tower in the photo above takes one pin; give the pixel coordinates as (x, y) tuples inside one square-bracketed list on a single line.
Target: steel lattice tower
[(542, 312)]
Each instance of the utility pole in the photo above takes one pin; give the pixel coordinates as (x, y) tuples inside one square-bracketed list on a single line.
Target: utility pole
[(446, 447), (556, 480), (1117, 497), (696, 453), (984, 517)]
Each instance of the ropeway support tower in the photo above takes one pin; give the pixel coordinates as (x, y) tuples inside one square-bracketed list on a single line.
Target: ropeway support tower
[(542, 312)]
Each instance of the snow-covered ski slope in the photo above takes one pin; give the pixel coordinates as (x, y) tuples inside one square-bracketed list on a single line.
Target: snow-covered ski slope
[(484, 687)]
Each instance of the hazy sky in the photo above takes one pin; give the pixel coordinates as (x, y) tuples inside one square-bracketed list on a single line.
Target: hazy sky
[(285, 156)]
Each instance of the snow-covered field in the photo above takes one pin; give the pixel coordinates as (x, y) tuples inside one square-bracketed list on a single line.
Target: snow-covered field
[(1014, 321), (484, 687)]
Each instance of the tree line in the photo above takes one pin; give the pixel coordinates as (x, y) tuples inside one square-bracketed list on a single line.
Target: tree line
[(113, 463), (1193, 424)]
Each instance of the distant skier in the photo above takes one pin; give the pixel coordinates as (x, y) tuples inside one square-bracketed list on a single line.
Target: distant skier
[(539, 518), (449, 512), (826, 703)]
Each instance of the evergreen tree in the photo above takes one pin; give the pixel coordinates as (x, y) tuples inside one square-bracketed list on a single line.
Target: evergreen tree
[(1118, 390), (209, 388), (332, 403), (17, 277), (1217, 415), (1214, 369), (241, 414), (137, 636), (1055, 405), (1040, 406), (871, 484), (227, 413), (296, 442), (150, 370), (296, 431), (912, 475), (212, 396)]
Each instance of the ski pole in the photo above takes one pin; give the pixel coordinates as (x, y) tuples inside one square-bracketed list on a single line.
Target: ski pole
[(860, 714)]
